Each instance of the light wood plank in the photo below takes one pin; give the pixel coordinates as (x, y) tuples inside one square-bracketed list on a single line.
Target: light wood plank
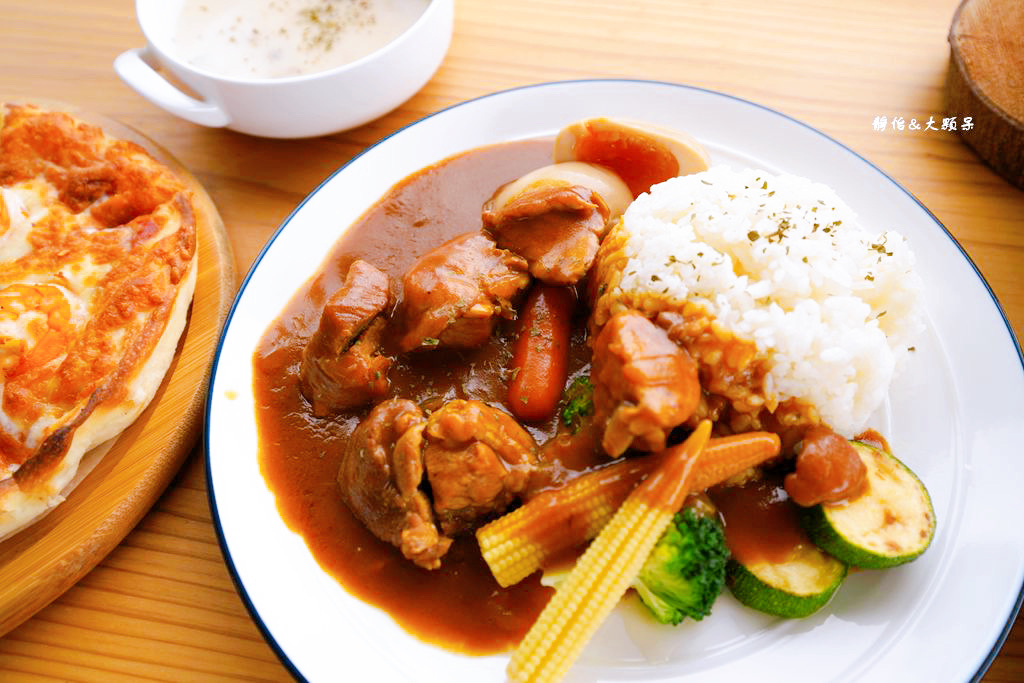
[(162, 606)]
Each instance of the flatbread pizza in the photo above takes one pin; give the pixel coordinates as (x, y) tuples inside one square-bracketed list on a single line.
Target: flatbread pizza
[(98, 264)]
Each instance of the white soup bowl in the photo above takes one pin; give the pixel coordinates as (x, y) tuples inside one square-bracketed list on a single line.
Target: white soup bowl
[(292, 107)]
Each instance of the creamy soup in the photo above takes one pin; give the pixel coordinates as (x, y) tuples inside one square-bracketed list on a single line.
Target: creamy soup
[(280, 38)]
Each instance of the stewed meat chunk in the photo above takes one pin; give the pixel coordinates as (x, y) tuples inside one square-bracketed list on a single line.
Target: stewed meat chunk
[(379, 478), (478, 460), (555, 216), (555, 226), (342, 366), (453, 295), (644, 384)]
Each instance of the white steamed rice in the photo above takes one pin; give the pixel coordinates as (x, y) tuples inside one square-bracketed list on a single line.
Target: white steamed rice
[(782, 261)]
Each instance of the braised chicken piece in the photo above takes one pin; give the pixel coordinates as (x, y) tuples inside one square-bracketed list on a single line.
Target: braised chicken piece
[(828, 469), (454, 295), (555, 216), (478, 460), (556, 228), (342, 366), (644, 384), (379, 478)]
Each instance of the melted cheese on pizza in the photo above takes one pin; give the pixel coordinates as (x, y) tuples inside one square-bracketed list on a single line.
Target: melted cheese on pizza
[(96, 240)]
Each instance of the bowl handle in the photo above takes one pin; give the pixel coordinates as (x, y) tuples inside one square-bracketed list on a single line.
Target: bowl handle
[(133, 69)]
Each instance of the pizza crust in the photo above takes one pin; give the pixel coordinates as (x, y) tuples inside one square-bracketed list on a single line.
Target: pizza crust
[(97, 434), (75, 444)]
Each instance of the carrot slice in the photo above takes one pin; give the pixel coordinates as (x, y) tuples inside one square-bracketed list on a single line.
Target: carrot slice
[(540, 355)]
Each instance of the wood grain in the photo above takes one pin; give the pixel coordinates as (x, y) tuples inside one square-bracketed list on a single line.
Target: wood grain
[(162, 605), (986, 81)]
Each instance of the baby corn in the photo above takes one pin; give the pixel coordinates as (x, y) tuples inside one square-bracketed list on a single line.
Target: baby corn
[(606, 570), (517, 544)]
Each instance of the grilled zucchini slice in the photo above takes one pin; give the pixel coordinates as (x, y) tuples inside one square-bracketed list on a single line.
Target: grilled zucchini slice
[(797, 587), (891, 523)]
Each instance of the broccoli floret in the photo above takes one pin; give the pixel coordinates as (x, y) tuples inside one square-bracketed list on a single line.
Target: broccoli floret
[(579, 403), (685, 572)]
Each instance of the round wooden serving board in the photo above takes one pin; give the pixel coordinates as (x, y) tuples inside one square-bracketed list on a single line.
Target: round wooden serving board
[(129, 473)]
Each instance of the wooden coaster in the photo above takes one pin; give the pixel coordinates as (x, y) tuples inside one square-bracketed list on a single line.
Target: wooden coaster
[(985, 82)]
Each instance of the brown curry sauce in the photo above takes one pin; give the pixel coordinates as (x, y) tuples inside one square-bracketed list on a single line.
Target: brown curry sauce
[(459, 606)]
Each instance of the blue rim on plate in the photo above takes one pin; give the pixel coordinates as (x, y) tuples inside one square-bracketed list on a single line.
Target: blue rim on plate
[(264, 629)]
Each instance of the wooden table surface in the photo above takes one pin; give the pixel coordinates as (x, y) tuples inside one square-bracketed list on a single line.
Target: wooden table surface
[(162, 605)]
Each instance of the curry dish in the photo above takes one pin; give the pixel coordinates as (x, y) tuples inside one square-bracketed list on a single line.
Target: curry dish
[(465, 394), (454, 600)]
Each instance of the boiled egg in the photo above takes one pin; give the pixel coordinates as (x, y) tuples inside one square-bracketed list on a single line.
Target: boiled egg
[(642, 154)]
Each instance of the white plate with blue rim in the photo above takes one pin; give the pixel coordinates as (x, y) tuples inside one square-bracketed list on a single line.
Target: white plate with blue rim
[(953, 415)]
